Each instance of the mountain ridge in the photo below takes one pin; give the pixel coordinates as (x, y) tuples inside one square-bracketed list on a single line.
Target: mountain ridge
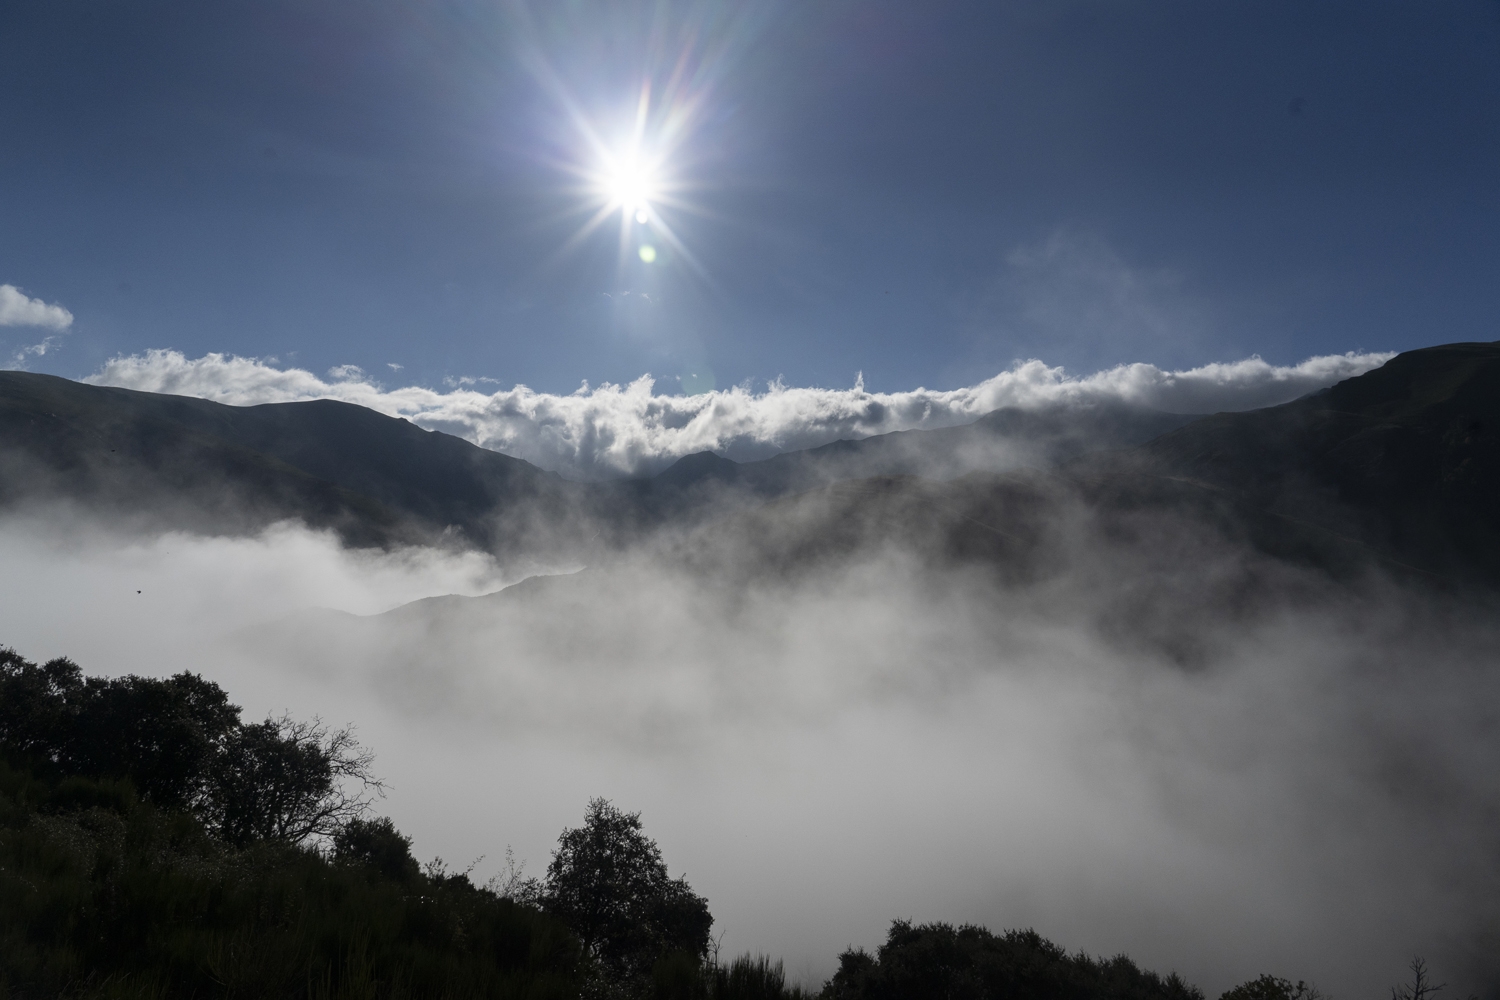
[(1402, 462)]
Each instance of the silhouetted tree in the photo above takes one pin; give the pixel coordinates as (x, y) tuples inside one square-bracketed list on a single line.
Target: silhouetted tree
[(36, 706), (378, 844), (163, 735), (286, 780), (608, 882), (1420, 987), (942, 962), (1272, 988)]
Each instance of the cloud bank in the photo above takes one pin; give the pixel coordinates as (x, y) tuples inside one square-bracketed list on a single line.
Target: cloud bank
[(19, 309), (616, 430), (1316, 800)]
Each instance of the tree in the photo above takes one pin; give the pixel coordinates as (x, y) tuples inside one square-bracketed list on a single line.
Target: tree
[(1420, 987), (36, 706), (377, 844), (162, 735), (288, 781), (182, 746), (1272, 988), (942, 962), (608, 882)]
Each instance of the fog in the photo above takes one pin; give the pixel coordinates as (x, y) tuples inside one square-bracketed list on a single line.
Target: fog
[(1313, 794)]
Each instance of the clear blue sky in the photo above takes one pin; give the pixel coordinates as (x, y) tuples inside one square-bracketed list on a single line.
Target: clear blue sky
[(922, 191)]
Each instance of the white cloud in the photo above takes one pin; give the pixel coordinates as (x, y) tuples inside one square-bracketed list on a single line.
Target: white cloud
[(18, 309), (348, 373), (613, 430), (23, 357)]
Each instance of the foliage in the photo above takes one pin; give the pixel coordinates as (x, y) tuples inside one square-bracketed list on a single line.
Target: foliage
[(102, 894), (378, 844), (608, 882), (752, 978), (164, 735), (942, 962), (287, 780), (182, 746), (1272, 988)]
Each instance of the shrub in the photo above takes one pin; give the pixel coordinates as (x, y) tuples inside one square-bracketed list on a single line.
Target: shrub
[(942, 962), (1272, 988), (377, 844)]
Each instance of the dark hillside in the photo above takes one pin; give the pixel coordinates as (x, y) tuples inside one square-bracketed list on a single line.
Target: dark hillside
[(1405, 458), (1401, 465), (178, 461), (1001, 441), (156, 461)]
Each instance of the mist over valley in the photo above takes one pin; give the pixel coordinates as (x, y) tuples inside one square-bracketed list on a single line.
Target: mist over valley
[(1216, 692)]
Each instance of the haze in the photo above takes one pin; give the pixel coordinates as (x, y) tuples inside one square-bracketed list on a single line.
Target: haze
[(875, 740)]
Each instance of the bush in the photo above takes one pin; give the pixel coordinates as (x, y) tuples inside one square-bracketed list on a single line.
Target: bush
[(752, 978), (124, 899), (378, 845), (941, 962), (1272, 988)]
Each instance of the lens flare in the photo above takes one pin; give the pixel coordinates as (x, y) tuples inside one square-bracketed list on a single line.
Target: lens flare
[(637, 155)]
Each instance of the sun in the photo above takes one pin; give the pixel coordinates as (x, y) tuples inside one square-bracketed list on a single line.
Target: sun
[(636, 179), (631, 183)]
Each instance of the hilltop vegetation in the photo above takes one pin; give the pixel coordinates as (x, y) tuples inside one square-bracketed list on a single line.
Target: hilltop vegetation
[(153, 844)]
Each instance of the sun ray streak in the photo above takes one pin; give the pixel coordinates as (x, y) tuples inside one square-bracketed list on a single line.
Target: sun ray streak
[(639, 161)]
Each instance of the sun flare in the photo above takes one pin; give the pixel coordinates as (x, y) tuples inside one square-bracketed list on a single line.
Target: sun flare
[(634, 173), (631, 184)]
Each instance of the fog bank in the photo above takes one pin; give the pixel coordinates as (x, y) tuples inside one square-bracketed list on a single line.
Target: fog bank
[(613, 430), (1314, 797)]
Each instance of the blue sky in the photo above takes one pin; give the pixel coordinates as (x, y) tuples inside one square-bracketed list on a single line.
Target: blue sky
[(922, 192)]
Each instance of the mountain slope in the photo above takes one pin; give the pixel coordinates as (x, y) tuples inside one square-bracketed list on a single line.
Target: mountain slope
[(1004, 440), (1405, 458), (175, 461), (1401, 464), (1398, 468), (178, 461)]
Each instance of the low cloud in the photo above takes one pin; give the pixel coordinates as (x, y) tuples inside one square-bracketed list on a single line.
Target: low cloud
[(19, 309), (1316, 799), (613, 430)]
